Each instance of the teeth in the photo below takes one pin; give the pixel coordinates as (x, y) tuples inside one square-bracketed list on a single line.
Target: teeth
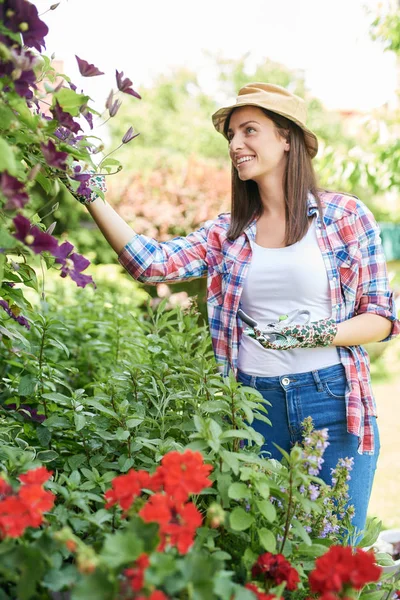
[(244, 159)]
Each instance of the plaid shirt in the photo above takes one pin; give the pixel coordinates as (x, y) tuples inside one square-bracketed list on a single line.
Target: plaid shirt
[(350, 244)]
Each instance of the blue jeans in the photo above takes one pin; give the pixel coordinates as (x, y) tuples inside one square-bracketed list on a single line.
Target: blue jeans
[(321, 395)]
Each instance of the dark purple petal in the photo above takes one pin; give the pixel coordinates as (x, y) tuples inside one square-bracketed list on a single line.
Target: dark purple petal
[(87, 69), (20, 16), (14, 191), (65, 119), (53, 157), (124, 85), (72, 86), (89, 117), (62, 251), (129, 136), (80, 279), (34, 415), (32, 236), (18, 318), (115, 108), (80, 262)]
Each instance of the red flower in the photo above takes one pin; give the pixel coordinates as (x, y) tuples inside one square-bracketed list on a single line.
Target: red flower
[(39, 475), (126, 488), (37, 500), (260, 595), (14, 517), (342, 566), (5, 488), (184, 474), (136, 574), (275, 568), (178, 522)]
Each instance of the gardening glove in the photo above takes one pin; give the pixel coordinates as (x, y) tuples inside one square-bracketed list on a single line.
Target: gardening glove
[(289, 332), (90, 184)]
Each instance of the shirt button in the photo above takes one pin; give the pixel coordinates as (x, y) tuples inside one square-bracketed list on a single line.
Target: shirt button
[(334, 278), (286, 381)]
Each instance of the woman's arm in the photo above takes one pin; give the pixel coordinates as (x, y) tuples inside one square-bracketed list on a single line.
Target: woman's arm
[(112, 226), (362, 329)]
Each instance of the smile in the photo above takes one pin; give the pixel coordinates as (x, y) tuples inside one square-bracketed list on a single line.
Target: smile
[(244, 159)]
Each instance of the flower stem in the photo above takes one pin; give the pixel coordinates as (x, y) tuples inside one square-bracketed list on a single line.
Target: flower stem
[(107, 155), (289, 509)]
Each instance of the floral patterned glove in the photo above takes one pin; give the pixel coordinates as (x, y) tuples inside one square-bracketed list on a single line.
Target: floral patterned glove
[(90, 184), (287, 333)]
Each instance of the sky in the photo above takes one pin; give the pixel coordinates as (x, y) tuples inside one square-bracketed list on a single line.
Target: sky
[(328, 40)]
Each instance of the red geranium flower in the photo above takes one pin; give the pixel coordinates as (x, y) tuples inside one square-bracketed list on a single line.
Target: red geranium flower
[(260, 595), (342, 566), (39, 475), (5, 488), (177, 522), (126, 488), (184, 473), (275, 568), (135, 574)]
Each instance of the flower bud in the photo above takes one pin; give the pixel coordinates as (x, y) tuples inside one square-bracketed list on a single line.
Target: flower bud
[(109, 100), (54, 6), (215, 515), (34, 171), (115, 108), (129, 136), (51, 228)]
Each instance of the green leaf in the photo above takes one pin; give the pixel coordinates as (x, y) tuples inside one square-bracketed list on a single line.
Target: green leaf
[(301, 532), (58, 344), (57, 421), (240, 519), (6, 240), (133, 422), (267, 539), (43, 435), (26, 385), (238, 490), (262, 488), (121, 548), (231, 460), (313, 551), (7, 158), (47, 455), (76, 461), (70, 101), (96, 586), (267, 509), (80, 421)]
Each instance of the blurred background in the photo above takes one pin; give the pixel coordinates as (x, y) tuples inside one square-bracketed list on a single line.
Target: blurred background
[(186, 60)]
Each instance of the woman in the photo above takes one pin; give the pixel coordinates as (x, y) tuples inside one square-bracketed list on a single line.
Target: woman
[(285, 247)]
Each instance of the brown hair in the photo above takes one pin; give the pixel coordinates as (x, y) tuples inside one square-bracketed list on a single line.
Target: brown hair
[(299, 180)]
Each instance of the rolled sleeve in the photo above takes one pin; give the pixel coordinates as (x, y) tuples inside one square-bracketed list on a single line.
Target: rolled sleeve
[(373, 288), (181, 258)]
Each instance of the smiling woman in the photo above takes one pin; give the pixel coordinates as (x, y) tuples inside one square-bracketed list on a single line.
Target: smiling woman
[(301, 266)]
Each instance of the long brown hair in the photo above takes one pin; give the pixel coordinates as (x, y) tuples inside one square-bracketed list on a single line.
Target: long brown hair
[(299, 180)]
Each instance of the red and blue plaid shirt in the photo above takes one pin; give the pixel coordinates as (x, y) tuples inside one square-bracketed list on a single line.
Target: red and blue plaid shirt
[(350, 244)]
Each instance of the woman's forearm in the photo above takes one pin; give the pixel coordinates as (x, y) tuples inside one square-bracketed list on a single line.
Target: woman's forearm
[(362, 329), (113, 227)]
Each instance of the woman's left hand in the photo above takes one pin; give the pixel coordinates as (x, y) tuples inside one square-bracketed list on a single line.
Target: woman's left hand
[(312, 335)]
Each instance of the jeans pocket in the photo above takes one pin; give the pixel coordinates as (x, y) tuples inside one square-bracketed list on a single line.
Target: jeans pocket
[(336, 388)]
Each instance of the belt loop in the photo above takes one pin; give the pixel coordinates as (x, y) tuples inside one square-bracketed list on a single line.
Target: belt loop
[(253, 381), (317, 380)]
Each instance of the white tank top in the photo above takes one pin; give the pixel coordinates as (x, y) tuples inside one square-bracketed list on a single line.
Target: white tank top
[(280, 280)]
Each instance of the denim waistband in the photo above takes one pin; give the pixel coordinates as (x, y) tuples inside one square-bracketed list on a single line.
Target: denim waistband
[(294, 379)]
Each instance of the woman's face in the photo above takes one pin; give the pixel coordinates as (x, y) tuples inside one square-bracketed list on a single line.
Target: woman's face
[(255, 146)]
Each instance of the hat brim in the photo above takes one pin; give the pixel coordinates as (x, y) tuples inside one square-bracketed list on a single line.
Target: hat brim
[(219, 118)]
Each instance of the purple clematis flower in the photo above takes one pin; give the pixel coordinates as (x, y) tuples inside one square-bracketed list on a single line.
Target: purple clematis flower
[(20, 16), (129, 136), (18, 318), (54, 158), (14, 191), (124, 85), (87, 69), (87, 115), (25, 408), (73, 264), (65, 119), (32, 236), (20, 70)]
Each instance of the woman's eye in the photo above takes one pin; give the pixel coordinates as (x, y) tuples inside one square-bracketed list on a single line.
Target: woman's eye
[(250, 129)]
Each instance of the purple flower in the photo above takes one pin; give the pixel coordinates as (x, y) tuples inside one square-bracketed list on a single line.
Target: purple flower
[(65, 119), (25, 408), (124, 85), (87, 69), (20, 16), (72, 264), (129, 136), (314, 491), (20, 70), (53, 157), (114, 108), (32, 236), (18, 318), (89, 117), (14, 191)]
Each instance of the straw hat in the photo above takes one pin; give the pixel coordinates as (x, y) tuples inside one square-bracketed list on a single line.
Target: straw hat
[(276, 99)]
